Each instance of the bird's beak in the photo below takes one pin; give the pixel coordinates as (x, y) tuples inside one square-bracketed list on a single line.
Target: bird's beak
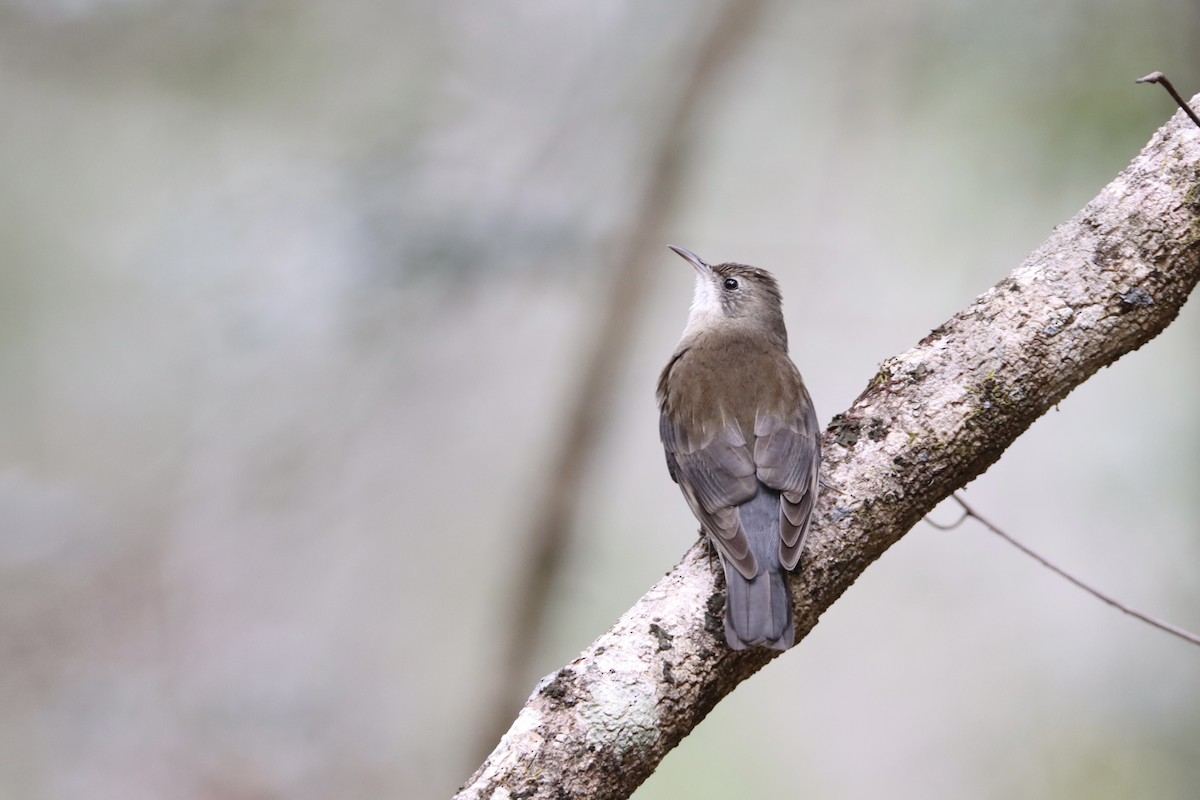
[(696, 261)]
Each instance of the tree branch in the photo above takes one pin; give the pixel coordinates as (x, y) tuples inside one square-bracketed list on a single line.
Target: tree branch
[(931, 420)]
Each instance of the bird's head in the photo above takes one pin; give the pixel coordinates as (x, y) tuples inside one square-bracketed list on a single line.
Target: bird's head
[(734, 298)]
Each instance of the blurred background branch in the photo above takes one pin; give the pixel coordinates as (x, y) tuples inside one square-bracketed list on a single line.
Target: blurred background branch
[(623, 299)]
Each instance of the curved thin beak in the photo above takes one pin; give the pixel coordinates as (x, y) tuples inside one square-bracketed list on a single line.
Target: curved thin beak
[(696, 261)]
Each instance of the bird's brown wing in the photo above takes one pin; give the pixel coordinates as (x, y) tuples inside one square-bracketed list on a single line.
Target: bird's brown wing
[(787, 453), (717, 474)]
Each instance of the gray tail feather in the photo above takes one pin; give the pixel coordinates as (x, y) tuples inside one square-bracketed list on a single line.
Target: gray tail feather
[(758, 612)]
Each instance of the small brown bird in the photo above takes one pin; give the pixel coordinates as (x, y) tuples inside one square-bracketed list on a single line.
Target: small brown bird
[(742, 442)]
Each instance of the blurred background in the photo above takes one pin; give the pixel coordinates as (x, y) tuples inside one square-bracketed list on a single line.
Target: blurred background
[(298, 302)]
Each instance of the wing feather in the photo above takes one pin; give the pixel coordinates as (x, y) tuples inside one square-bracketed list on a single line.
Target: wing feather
[(717, 476), (719, 470), (787, 452)]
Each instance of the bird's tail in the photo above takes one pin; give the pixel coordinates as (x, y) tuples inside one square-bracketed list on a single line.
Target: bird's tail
[(758, 611)]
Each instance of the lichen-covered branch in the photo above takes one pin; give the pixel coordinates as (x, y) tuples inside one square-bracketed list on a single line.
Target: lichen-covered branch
[(929, 421)]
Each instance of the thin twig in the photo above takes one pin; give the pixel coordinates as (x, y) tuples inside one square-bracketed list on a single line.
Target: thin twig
[(947, 526), (1158, 77), (1187, 636)]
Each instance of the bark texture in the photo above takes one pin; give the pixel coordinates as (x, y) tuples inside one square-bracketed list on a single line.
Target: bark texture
[(929, 421)]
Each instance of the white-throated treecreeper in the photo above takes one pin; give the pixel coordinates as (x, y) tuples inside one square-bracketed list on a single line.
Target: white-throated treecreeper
[(742, 442)]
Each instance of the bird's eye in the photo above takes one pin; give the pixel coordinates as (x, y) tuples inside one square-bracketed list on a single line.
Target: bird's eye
[(731, 283)]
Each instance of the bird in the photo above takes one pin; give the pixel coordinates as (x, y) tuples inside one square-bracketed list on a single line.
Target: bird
[(741, 439)]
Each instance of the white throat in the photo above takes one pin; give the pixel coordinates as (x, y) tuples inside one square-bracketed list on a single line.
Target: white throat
[(705, 312)]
